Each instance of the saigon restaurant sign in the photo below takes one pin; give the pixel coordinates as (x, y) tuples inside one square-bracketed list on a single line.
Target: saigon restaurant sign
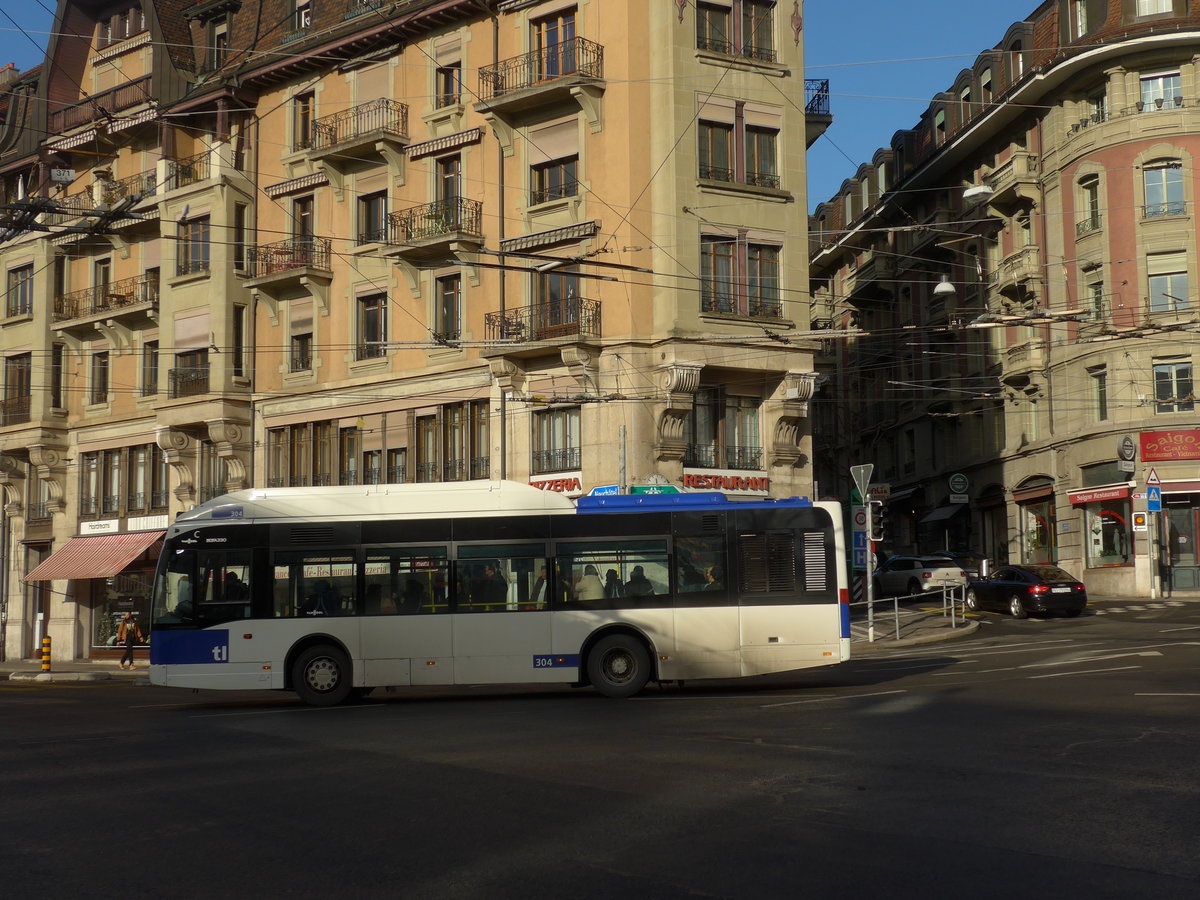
[(1164, 445)]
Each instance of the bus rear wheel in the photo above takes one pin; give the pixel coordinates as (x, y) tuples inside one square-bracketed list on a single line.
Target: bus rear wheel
[(321, 676), (618, 666)]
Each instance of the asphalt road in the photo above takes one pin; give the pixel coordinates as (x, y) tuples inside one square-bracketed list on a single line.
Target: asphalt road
[(1041, 758)]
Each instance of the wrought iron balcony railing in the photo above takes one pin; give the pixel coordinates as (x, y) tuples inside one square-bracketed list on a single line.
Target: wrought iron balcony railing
[(142, 184), (284, 256), (190, 170), (559, 460), (456, 215), (723, 301), (1088, 225), (763, 179), (373, 117), (816, 96), (577, 56), (15, 410), (1162, 210), (558, 192), (187, 381), (107, 298), (301, 362), (100, 105), (573, 316), (715, 456)]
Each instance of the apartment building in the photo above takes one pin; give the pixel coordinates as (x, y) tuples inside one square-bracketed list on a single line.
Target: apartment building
[(310, 242), (1020, 265)]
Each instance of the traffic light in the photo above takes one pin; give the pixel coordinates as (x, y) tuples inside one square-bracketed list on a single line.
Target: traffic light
[(876, 519)]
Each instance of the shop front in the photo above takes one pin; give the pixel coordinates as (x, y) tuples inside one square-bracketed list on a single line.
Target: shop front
[(1175, 456), (1038, 524), (111, 575), (1108, 538)]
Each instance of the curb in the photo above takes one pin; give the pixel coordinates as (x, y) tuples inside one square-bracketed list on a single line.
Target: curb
[(59, 676), (936, 637)]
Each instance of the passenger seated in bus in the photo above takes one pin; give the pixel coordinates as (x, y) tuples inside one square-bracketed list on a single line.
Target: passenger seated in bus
[(612, 585), (412, 598), (234, 589), (588, 586), (690, 578), (321, 601), (638, 584), (716, 578)]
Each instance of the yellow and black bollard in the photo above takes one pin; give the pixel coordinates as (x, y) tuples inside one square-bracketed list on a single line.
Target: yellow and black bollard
[(46, 653)]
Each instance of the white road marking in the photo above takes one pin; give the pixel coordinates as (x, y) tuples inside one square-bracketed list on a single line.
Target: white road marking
[(275, 712), (1085, 672), (1180, 694), (828, 699)]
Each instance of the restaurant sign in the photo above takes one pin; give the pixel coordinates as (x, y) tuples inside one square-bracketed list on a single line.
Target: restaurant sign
[(1164, 445)]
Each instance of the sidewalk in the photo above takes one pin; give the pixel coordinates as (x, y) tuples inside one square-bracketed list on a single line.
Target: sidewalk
[(917, 627), (72, 670)]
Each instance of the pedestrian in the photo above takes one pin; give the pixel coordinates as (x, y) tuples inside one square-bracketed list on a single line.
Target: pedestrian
[(130, 635)]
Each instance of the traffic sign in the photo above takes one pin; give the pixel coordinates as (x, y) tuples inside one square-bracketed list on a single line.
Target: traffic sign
[(862, 477), (605, 490), (1154, 498), (1153, 478)]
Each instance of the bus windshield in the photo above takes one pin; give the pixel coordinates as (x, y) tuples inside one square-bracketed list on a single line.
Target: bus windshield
[(203, 588)]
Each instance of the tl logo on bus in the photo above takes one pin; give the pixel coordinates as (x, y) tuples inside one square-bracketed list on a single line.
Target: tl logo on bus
[(189, 647)]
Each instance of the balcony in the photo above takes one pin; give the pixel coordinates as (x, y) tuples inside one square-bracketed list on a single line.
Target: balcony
[(565, 321), (563, 460), (1014, 183), (712, 456), (874, 278), (286, 265), (378, 128), (1164, 210), (113, 192), (573, 68), (430, 229), (1017, 270), (189, 381), (100, 106), (1089, 225), (15, 410), (130, 297), (817, 115), (1022, 362), (187, 171), (723, 302)]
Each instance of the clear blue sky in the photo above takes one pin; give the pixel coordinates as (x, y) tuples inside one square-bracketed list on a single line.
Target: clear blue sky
[(885, 60), (883, 65)]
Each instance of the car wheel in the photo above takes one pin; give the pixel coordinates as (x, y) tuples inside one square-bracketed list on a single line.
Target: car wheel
[(618, 666), (1016, 608), (914, 587), (321, 676), (972, 601)]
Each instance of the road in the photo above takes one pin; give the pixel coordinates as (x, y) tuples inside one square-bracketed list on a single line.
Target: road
[(1040, 758)]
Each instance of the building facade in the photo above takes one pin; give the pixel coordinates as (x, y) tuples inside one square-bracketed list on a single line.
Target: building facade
[(310, 242), (1018, 271)]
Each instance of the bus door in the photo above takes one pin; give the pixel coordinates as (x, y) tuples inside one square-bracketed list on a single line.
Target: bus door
[(501, 621), (406, 625), (706, 612)]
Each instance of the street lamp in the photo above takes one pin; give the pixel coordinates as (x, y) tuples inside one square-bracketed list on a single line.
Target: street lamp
[(944, 289)]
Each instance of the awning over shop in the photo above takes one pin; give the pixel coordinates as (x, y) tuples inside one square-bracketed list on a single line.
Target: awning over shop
[(93, 557), (944, 512)]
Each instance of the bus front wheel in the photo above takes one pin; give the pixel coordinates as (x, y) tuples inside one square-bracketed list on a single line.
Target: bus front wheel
[(321, 676), (618, 666)]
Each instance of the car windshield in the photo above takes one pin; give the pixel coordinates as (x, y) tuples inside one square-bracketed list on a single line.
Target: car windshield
[(941, 563), (1051, 573)]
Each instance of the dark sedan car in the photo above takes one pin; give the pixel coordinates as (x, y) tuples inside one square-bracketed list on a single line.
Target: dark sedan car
[(1021, 590)]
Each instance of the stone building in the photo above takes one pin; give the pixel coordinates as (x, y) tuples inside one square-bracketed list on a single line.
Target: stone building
[(309, 242), (1020, 265)]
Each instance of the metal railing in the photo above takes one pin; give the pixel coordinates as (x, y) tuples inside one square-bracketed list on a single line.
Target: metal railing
[(763, 179), (716, 173), (816, 96), (301, 362), (284, 256), (1161, 210), (558, 192), (894, 621), (106, 298), (1088, 225), (188, 381), (555, 460), (382, 115), (371, 350), (545, 321), (456, 215), (577, 56), (481, 467), (15, 410), (715, 456), (355, 8), (39, 512), (100, 105), (142, 184), (189, 170)]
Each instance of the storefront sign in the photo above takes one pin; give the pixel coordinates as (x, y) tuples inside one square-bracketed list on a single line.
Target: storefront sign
[(1163, 445), (1077, 498), (1127, 448), (959, 483), (742, 484), (570, 483), (100, 526), (147, 523)]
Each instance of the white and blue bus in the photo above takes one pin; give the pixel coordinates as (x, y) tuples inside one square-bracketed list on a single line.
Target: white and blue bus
[(333, 591)]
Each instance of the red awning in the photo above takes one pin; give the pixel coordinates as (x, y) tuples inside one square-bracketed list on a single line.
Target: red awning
[(93, 557)]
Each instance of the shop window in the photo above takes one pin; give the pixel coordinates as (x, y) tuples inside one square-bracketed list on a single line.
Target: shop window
[(1038, 540), (1109, 535)]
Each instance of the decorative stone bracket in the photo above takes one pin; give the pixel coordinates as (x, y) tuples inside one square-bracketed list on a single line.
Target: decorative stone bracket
[(177, 446), (225, 434), (791, 398), (509, 376), (680, 381), (584, 366)]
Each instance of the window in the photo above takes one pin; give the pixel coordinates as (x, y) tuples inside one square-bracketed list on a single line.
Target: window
[(1098, 107), (1089, 190), (716, 151), (553, 42), (57, 358), (553, 180), (1154, 7), (1099, 378), (18, 388), (301, 352), (447, 315), (1079, 19), (99, 380), (939, 127), (640, 574), (1173, 385), (1108, 533), (372, 327), (741, 27), (302, 121), (448, 85), (755, 164), (302, 219), (761, 166), (349, 447), (372, 218), (303, 15), (1168, 282), (1160, 91), (713, 28), (758, 35), (985, 86), (397, 465), (739, 277), (239, 236), (110, 481), (218, 42), (1097, 303), (448, 172), (238, 337), (149, 368), (722, 431), (190, 375), (1017, 60), (406, 581), (556, 440), (556, 304), (1163, 182), (193, 249), (19, 297), (138, 481)]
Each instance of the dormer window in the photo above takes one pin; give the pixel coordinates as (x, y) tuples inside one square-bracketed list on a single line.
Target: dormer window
[(119, 26)]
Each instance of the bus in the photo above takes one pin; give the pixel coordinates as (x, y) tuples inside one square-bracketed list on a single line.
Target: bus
[(333, 591)]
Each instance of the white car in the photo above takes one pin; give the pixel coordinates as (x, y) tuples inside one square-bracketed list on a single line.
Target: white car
[(910, 575)]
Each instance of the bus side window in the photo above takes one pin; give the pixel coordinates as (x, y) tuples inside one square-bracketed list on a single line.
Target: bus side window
[(700, 565), (501, 577), (406, 581), (317, 584)]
